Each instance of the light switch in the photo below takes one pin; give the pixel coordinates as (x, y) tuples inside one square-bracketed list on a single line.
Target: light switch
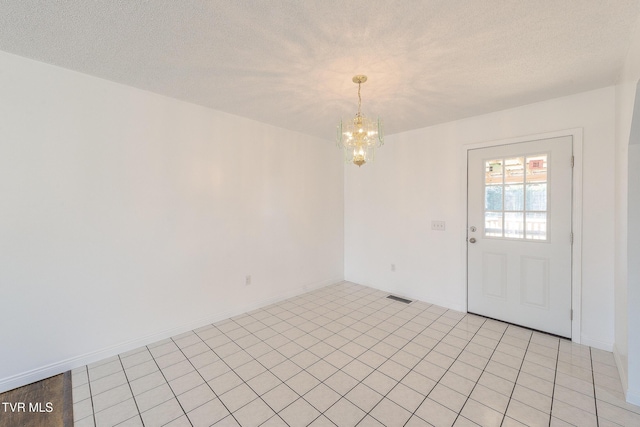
[(437, 225)]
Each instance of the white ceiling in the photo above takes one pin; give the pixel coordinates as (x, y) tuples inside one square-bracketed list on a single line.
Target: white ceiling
[(290, 63)]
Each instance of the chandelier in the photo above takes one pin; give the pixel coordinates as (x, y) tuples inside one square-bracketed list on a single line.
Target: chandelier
[(360, 136)]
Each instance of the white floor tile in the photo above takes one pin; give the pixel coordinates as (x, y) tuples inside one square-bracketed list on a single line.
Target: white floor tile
[(344, 413), (162, 414), (236, 398), (196, 397), (406, 397), (355, 357), (280, 397), (322, 397), (481, 414), (300, 413), (208, 413), (154, 397)]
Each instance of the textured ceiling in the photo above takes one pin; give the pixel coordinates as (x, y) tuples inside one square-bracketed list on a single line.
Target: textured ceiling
[(290, 63)]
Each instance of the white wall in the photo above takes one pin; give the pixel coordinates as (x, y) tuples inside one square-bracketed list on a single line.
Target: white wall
[(418, 177), (126, 217), (633, 302), (626, 338)]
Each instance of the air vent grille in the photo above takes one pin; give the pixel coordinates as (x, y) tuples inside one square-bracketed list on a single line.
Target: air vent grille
[(404, 300)]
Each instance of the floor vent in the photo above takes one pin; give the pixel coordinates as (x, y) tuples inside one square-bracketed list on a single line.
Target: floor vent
[(404, 300)]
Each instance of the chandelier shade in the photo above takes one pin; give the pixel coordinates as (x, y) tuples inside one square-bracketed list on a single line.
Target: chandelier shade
[(360, 136)]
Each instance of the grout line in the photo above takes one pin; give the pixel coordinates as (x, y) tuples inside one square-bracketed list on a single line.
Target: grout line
[(166, 382), (388, 333), (421, 359), (205, 381), (555, 375), (93, 409), (233, 370), (131, 390), (348, 341), (336, 349), (515, 382), (595, 396), (483, 370), (368, 413)]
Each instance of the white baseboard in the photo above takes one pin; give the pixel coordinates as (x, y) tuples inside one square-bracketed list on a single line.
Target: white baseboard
[(443, 303), (40, 373), (601, 345), (622, 373), (633, 397), (413, 296)]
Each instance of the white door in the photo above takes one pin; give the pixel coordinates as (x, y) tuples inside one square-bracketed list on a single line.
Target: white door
[(519, 233)]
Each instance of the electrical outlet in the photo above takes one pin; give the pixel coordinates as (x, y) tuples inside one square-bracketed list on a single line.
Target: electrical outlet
[(247, 280), (438, 225), (393, 267)]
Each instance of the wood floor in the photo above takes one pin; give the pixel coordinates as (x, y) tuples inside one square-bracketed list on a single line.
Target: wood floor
[(44, 403)]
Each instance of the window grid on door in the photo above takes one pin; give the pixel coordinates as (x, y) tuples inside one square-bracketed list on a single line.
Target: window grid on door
[(516, 197)]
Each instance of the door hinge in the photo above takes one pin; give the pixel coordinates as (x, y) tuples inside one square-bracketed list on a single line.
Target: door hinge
[(571, 314), (571, 237), (573, 161)]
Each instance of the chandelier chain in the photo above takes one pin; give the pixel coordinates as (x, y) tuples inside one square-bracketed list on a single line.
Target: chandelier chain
[(359, 99)]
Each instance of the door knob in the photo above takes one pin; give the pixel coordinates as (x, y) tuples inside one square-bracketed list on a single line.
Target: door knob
[(472, 240)]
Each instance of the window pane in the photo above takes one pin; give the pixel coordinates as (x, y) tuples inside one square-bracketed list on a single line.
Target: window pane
[(493, 198), (537, 197), (537, 225), (514, 225), (537, 168), (493, 172), (514, 170), (513, 197), (516, 199), (493, 224)]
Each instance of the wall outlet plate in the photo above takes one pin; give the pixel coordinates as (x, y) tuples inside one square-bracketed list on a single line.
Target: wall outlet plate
[(438, 225)]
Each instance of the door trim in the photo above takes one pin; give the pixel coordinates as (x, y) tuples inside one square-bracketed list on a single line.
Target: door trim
[(576, 216)]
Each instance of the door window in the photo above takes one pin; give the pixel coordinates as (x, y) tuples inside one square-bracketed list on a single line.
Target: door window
[(515, 190)]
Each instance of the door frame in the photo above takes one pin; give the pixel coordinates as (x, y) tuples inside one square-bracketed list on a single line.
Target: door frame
[(576, 216)]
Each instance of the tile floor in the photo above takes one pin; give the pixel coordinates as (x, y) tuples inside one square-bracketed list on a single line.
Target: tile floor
[(345, 355)]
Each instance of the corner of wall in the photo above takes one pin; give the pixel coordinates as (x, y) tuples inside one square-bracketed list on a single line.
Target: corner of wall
[(622, 368), (633, 397), (595, 343)]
